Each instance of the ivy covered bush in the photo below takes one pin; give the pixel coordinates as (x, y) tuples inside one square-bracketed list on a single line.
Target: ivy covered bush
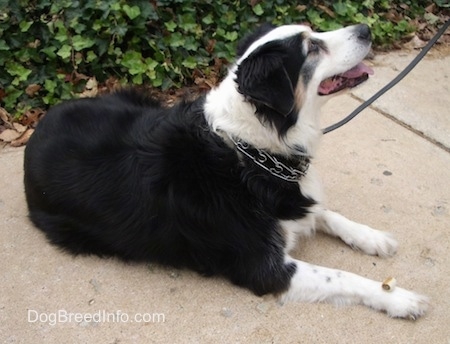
[(50, 49)]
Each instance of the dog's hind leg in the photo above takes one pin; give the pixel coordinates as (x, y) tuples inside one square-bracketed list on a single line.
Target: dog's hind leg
[(312, 283), (356, 235)]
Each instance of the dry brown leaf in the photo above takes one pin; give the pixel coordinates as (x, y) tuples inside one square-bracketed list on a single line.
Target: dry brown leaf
[(32, 89), (327, 11), (23, 139), (5, 117), (19, 127), (2, 94), (76, 77), (393, 16), (430, 8), (91, 89), (210, 46), (415, 43), (34, 44), (112, 83), (9, 135), (31, 117)]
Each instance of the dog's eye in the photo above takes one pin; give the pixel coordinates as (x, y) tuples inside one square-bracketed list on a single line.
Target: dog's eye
[(313, 47)]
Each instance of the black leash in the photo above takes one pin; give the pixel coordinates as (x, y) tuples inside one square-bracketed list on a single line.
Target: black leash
[(399, 77)]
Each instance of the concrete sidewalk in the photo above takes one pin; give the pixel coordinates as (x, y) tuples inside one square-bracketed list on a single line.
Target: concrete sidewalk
[(376, 171)]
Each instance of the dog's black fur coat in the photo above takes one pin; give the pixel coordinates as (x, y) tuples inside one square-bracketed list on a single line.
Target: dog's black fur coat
[(121, 176)]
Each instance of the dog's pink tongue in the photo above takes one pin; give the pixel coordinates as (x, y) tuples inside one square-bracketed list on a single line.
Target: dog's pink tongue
[(347, 79), (357, 71)]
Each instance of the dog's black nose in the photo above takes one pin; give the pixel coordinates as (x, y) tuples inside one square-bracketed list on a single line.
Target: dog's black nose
[(363, 32)]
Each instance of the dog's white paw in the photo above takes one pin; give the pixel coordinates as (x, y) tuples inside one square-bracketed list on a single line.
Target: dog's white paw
[(402, 303), (382, 244), (373, 242)]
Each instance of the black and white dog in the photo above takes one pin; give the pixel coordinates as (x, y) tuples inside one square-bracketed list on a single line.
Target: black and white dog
[(222, 185)]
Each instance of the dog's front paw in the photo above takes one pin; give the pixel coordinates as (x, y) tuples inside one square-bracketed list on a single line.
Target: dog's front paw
[(406, 304), (372, 241), (382, 244)]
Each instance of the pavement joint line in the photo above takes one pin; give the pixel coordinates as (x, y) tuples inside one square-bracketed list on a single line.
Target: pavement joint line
[(403, 124)]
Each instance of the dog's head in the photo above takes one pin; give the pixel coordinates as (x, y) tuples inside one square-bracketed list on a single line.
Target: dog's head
[(281, 69)]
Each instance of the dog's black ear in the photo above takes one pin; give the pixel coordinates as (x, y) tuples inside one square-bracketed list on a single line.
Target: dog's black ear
[(262, 78)]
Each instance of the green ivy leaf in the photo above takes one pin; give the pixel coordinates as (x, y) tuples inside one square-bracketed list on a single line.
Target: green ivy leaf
[(314, 17), (137, 79), (157, 82), (132, 60), (229, 18), (170, 26), (115, 6), (151, 64), (231, 36), (50, 85), (188, 22), (192, 44), (3, 45), (340, 8), (64, 52), (208, 20), (132, 11), (176, 40), (61, 32), (16, 69), (91, 56), (442, 3), (49, 51), (79, 42), (120, 30), (25, 26), (190, 62), (258, 10), (12, 96)]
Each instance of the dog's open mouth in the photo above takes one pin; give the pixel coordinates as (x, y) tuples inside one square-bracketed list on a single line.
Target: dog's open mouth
[(351, 78)]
